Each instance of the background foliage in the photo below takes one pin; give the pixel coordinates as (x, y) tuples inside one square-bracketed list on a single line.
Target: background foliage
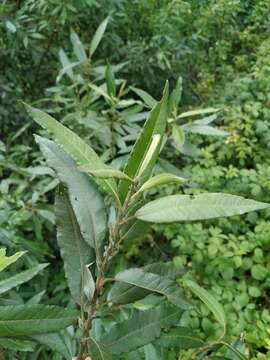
[(221, 50)]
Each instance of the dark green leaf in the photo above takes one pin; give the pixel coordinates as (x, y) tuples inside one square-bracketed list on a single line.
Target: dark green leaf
[(142, 328), (27, 320), (180, 337), (124, 291)]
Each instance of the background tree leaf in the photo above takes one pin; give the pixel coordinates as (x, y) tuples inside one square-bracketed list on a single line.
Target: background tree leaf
[(22, 277)]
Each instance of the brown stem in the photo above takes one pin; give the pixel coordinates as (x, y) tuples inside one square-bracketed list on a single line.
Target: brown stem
[(100, 281)]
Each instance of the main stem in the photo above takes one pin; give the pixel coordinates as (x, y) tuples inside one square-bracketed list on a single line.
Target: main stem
[(108, 253)]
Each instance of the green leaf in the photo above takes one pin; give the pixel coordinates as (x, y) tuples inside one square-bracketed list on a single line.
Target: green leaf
[(180, 337), (175, 96), (124, 291), (151, 352), (199, 207), (74, 250), (88, 284), (147, 98), (87, 203), (78, 46), (17, 345), (239, 346), (210, 302), (197, 112), (27, 320), (54, 341), (167, 269), (72, 144), (67, 66), (98, 351), (5, 261), (155, 124), (142, 328), (204, 130), (161, 179), (151, 151), (13, 281), (234, 353), (178, 136), (106, 173), (98, 36), (110, 81)]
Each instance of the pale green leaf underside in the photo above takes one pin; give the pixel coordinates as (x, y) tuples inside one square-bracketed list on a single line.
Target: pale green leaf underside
[(199, 207), (209, 301), (22, 277), (75, 253), (26, 320), (197, 112), (98, 35), (161, 179), (147, 283), (142, 328), (104, 173), (87, 202)]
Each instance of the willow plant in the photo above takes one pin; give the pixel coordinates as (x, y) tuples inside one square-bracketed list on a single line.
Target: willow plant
[(98, 208)]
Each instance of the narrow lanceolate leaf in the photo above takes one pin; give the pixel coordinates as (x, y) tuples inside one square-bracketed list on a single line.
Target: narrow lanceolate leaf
[(5, 261), (17, 344), (124, 291), (204, 130), (151, 151), (110, 81), (175, 96), (147, 98), (197, 112), (78, 47), (98, 36), (180, 337), (155, 124), (27, 320), (104, 173), (209, 301), (205, 206), (99, 351), (73, 145), (16, 280), (161, 179), (141, 329), (74, 250), (85, 198)]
